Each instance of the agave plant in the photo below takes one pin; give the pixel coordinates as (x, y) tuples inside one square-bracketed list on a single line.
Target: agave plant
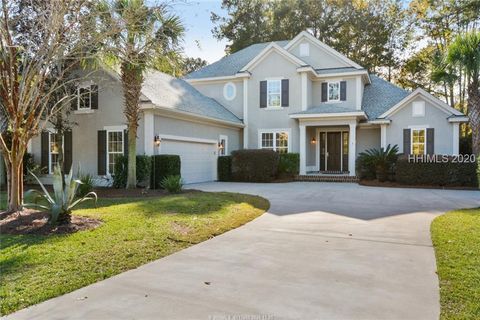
[(62, 202), (381, 160)]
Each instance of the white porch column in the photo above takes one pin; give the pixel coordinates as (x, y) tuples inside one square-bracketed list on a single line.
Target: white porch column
[(352, 150), (383, 136), (245, 113), (148, 132), (456, 138), (303, 150)]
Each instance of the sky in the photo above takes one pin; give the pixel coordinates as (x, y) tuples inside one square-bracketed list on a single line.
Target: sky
[(199, 41)]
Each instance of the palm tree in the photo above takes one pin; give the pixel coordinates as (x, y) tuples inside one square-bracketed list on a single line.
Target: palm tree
[(464, 52), (138, 36)]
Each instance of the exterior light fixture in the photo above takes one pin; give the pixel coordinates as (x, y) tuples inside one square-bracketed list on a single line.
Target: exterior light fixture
[(220, 145), (157, 140), (313, 141)]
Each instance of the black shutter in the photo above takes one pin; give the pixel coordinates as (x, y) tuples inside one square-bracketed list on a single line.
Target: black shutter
[(285, 92), (406, 141), (263, 94), (74, 99), (44, 153), (430, 141), (67, 151), (324, 91), (343, 90), (102, 152), (94, 97), (125, 143)]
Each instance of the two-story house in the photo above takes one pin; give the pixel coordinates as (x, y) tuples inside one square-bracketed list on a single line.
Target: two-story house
[(289, 96)]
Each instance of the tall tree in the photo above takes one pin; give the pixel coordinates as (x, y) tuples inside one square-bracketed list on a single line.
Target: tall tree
[(41, 42), (464, 52), (139, 34), (193, 64)]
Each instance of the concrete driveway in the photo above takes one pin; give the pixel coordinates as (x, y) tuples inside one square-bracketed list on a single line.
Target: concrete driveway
[(323, 251)]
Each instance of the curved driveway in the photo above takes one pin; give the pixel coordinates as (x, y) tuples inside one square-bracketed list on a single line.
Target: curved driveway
[(323, 251)]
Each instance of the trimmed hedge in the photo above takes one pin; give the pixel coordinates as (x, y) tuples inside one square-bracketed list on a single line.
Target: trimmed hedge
[(254, 165), (447, 174), (289, 164), (224, 168), (143, 165), (164, 165), (478, 169)]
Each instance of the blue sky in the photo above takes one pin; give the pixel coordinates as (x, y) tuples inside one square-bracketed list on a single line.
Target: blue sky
[(199, 40)]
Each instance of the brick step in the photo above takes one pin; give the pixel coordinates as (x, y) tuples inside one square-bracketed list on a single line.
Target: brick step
[(325, 178)]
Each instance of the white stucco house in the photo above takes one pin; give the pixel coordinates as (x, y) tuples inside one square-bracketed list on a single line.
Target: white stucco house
[(297, 96)]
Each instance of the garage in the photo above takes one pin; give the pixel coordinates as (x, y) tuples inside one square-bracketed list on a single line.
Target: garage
[(198, 157)]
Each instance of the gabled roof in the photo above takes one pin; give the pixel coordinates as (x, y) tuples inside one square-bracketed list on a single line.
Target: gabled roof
[(167, 92), (272, 47)]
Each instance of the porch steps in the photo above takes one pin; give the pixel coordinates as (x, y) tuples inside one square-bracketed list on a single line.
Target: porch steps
[(326, 178)]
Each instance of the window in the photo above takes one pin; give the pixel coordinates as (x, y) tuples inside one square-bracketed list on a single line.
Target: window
[(84, 100), (229, 91), (418, 109), (274, 140), (223, 145), (55, 142), (304, 50), (418, 141), (114, 149), (274, 97), (333, 91)]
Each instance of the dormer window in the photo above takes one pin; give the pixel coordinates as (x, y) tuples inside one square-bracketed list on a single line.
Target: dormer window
[(304, 50)]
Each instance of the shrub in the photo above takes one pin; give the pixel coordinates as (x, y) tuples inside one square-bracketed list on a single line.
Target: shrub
[(381, 161), (86, 185), (224, 168), (172, 184), (29, 165), (449, 174), (164, 165), (255, 165), (478, 170), (143, 165), (288, 164)]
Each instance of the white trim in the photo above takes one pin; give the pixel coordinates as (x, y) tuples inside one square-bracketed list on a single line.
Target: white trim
[(456, 138), (115, 128), (225, 147), (230, 83), (186, 139), (272, 47), (329, 115), (108, 152), (380, 121), (148, 132), (245, 113), (84, 111), (328, 91), (237, 76), (433, 100), (458, 119), (304, 91), (320, 44), (358, 102), (275, 131), (424, 129), (341, 74), (383, 136), (303, 149), (352, 148), (50, 132)]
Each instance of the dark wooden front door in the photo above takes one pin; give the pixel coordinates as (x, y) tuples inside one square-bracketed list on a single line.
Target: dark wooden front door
[(334, 149)]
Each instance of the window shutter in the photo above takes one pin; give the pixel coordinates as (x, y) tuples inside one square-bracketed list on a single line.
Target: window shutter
[(343, 90), (324, 91), (430, 141), (125, 143), (44, 153), (94, 97), (67, 151), (406, 141), (102, 152), (74, 99), (263, 94), (285, 92)]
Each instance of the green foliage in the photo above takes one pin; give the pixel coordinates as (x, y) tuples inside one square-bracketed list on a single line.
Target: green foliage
[(464, 52), (478, 170), (172, 184), (29, 165), (224, 168), (289, 164), (448, 174), (252, 165), (86, 185), (62, 202), (164, 165), (144, 165), (377, 162)]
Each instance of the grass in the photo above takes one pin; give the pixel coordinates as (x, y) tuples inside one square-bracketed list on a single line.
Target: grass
[(135, 231), (456, 237)]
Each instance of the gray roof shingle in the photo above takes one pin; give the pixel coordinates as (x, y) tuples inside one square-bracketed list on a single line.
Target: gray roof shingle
[(380, 96), (169, 92), (233, 63), (328, 108)]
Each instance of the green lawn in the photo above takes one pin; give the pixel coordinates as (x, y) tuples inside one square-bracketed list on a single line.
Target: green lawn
[(135, 231), (456, 237)]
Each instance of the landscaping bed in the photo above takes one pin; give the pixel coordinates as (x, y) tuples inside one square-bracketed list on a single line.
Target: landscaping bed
[(133, 231), (456, 238)]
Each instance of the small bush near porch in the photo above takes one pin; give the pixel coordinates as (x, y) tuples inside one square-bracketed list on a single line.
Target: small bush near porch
[(133, 232)]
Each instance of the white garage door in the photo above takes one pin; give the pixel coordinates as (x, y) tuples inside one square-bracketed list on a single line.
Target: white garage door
[(198, 160)]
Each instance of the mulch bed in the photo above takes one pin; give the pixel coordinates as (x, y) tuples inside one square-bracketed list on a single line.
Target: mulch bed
[(392, 184), (35, 222)]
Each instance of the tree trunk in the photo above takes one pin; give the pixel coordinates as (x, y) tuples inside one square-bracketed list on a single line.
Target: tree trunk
[(474, 115), (132, 158), (15, 190)]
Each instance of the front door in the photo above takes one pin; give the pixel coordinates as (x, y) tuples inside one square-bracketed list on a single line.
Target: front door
[(334, 151)]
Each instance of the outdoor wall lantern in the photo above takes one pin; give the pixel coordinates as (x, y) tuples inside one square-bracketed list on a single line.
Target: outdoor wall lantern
[(157, 140), (220, 146), (313, 141)]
